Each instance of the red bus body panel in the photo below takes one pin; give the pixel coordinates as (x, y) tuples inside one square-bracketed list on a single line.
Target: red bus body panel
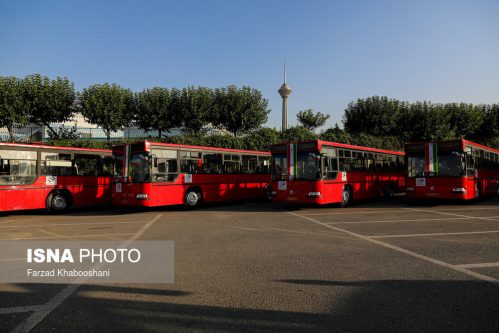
[(84, 190), (364, 184), (442, 187), (214, 187)]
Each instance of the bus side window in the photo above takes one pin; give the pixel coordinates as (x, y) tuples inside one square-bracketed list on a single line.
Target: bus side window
[(212, 163), (107, 166), (55, 164), (164, 170), (249, 164), (331, 167), (263, 165), (87, 165)]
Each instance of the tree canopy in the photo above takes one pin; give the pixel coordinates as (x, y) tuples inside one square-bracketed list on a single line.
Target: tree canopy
[(48, 101), (107, 105), (311, 120), (12, 104), (239, 110)]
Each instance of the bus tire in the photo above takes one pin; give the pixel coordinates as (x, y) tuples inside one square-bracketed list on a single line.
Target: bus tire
[(58, 201), (193, 198), (346, 196)]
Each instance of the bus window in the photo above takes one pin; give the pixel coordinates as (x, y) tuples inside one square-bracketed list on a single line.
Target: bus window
[(279, 166), (212, 163), (345, 164), (164, 166), (263, 165), (139, 167), (17, 167), (330, 167), (470, 163), (250, 164), (87, 165), (232, 163), (107, 166), (56, 164), (190, 162)]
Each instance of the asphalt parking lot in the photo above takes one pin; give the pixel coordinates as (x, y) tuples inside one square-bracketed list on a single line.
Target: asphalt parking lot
[(389, 266)]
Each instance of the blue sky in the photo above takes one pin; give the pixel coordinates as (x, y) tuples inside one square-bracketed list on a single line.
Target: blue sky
[(337, 51)]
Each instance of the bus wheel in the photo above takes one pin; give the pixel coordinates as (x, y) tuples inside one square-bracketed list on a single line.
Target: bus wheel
[(57, 202), (346, 196), (192, 198)]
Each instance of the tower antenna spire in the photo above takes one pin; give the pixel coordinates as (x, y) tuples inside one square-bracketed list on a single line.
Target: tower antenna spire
[(284, 70), (285, 91)]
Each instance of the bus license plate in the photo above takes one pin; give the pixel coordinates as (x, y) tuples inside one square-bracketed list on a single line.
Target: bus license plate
[(292, 198)]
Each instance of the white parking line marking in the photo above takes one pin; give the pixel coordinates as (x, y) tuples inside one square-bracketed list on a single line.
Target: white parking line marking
[(77, 236), (466, 209), (402, 250), (60, 297), (20, 309), (436, 234), (69, 224), (397, 221), (492, 218), (353, 213), (481, 265), (294, 232)]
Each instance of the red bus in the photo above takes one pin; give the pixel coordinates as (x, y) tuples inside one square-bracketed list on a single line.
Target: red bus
[(159, 174), (37, 176), (454, 169), (321, 172)]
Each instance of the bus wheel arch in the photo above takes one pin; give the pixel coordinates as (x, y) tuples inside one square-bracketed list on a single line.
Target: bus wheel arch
[(346, 195), (193, 197), (389, 190), (59, 200)]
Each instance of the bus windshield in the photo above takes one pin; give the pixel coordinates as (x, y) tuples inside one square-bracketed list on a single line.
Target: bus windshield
[(308, 166), (118, 165), (140, 167), (450, 164)]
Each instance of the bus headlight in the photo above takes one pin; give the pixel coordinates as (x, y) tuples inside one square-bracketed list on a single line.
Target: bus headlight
[(142, 196), (409, 189), (314, 194), (458, 190)]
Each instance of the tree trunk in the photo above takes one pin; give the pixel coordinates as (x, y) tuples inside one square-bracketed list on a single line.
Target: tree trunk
[(11, 133), (159, 133), (108, 135), (54, 133)]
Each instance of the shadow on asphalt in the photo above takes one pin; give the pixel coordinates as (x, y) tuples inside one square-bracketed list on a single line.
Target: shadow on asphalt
[(257, 206), (372, 306)]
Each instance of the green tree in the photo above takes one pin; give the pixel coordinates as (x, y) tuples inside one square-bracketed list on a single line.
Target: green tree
[(336, 134), (374, 115), (239, 110), (48, 101), (154, 112), (430, 122), (311, 120), (108, 105), (261, 139), (196, 105), (12, 104), (296, 134)]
